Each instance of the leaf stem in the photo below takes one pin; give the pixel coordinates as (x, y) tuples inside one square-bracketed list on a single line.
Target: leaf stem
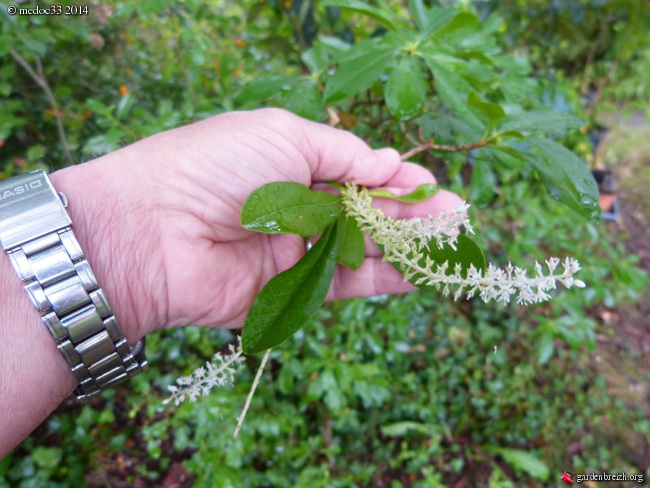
[(256, 382), (430, 146)]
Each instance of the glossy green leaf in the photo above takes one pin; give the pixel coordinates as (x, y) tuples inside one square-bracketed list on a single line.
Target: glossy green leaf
[(352, 245), (334, 44), (510, 133), (316, 59), (419, 14), (478, 56), (543, 121), (453, 91), (287, 302), (384, 18), (492, 111), (263, 88), (305, 99), (467, 253), (566, 176), (522, 461), (421, 193), (359, 70), (446, 21), (405, 89), (437, 18), (289, 208), (482, 184)]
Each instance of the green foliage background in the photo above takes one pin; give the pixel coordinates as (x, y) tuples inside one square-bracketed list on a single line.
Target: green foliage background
[(389, 391)]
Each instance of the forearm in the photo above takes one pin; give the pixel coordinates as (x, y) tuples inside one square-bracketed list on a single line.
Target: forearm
[(34, 376)]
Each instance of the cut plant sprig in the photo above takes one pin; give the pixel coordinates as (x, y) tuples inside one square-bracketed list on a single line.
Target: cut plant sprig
[(430, 253)]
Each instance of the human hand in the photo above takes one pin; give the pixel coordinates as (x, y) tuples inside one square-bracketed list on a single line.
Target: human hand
[(159, 219)]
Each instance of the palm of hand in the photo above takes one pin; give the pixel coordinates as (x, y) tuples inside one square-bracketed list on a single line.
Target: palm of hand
[(203, 264)]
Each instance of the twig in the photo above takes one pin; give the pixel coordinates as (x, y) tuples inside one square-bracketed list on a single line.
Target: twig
[(584, 85), (602, 85), (240, 420), (41, 81), (430, 146)]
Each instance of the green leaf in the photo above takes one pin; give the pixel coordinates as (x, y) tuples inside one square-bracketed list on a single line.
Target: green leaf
[(336, 185), (437, 18), (305, 99), (467, 253), (544, 121), (566, 176), (545, 348), (439, 28), (453, 91), (521, 461), (35, 46), (262, 88), (352, 245), (360, 72), (287, 302), (326, 386), (334, 44), (510, 133), (124, 105), (384, 18), (316, 59), (99, 108), (421, 193), (400, 429), (492, 111), (47, 457), (406, 89), (419, 14), (482, 184), (289, 208)]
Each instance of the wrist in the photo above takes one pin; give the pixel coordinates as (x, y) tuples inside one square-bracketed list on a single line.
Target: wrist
[(108, 226)]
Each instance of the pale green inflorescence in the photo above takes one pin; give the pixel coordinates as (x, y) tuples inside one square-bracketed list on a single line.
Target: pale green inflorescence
[(219, 372), (404, 243)]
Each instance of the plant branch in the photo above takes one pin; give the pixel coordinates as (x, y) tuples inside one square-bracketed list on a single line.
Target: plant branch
[(41, 81), (258, 376), (602, 85), (584, 85), (430, 146)]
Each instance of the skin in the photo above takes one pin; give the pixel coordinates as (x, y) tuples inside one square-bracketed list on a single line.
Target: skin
[(159, 224)]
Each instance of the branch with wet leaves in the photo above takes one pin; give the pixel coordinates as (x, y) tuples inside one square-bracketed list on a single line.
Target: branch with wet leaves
[(431, 146)]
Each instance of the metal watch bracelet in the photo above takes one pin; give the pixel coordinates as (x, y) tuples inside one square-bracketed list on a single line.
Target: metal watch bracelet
[(36, 233)]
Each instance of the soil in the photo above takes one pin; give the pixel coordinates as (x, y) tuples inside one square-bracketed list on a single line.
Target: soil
[(623, 354)]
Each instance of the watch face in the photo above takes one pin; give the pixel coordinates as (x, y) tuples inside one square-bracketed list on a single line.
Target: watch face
[(29, 208)]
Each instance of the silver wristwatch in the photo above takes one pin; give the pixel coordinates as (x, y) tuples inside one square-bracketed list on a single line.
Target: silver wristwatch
[(36, 233)]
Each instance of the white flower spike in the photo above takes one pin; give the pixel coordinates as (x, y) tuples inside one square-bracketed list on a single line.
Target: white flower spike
[(218, 372), (404, 240)]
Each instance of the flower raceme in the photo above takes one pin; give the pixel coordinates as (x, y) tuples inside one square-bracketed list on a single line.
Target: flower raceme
[(218, 372), (404, 242)]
